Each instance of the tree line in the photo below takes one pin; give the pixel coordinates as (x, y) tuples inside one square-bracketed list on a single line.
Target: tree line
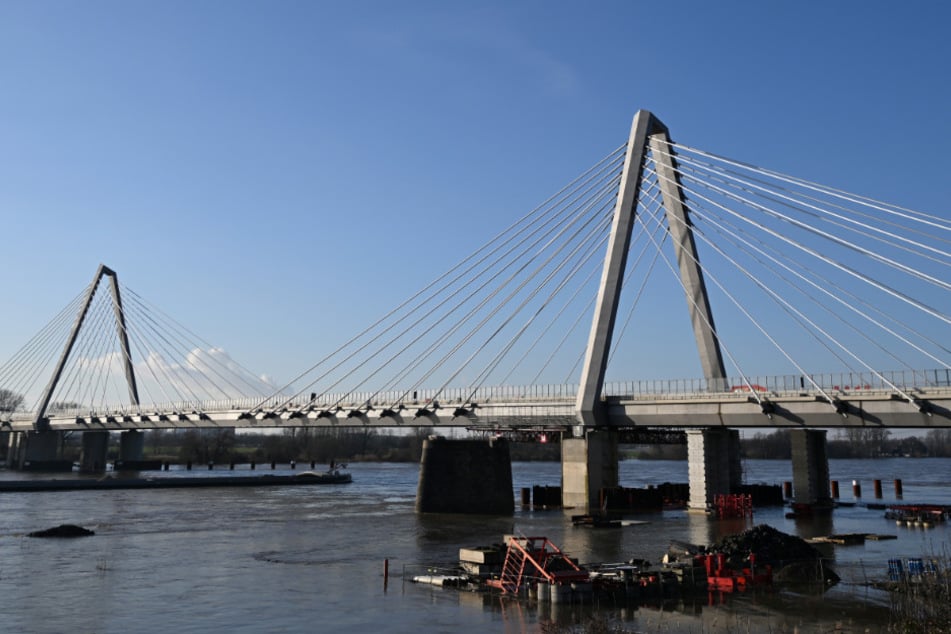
[(854, 442), (324, 445), (299, 445), (363, 445), (320, 446)]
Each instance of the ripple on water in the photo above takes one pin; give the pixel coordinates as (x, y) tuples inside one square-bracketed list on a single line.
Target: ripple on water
[(308, 558)]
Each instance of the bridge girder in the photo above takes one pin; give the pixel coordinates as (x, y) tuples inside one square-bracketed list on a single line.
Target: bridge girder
[(799, 410)]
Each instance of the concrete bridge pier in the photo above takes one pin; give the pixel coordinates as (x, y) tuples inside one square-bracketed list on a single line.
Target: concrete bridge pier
[(14, 439), (95, 449), (465, 476), (713, 457), (810, 464), (131, 446), (588, 465), (35, 449)]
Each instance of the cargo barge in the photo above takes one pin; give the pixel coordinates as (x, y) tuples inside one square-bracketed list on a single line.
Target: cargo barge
[(89, 484)]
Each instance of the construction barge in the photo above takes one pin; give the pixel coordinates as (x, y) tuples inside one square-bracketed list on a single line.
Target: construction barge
[(920, 515), (535, 568), (79, 484)]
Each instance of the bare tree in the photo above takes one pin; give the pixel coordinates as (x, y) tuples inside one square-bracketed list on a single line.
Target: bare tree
[(207, 445), (10, 401), (938, 442)]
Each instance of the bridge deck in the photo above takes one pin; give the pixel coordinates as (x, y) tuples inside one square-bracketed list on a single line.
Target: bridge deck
[(879, 408)]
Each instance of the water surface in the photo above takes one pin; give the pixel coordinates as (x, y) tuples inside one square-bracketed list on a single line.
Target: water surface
[(311, 559)]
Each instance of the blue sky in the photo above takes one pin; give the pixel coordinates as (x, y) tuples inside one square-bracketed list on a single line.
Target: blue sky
[(277, 174)]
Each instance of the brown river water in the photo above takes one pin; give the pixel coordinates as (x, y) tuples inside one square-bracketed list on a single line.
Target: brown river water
[(311, 558)]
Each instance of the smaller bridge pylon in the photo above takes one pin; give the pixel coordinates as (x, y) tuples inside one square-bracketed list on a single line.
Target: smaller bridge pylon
[(41, 422), (106, 350), (42, 447)]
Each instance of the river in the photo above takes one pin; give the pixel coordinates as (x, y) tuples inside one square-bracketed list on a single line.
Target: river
[(311, 559)]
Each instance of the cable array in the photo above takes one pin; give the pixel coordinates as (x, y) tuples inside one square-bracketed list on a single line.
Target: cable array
[(802, 278), (863, 280), (514, 310), (174, 370), (823, 278)]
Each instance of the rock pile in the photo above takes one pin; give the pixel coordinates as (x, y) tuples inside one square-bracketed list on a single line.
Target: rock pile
[(770, 545), (792, 558)]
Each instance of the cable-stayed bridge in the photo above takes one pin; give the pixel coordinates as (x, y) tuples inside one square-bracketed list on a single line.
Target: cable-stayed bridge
[(802, 278)]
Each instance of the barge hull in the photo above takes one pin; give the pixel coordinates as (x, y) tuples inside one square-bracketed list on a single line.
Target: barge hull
[(23, 486)]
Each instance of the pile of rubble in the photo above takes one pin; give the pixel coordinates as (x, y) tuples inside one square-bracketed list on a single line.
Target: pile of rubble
[(770, 545), (793, 559)]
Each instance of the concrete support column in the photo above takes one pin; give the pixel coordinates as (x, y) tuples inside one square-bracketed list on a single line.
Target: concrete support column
[(36, 450), (465, 476), (15, 446), (95, 447), (131, 446), (42, 446), (588, 465), (713, 457), (810, 464)]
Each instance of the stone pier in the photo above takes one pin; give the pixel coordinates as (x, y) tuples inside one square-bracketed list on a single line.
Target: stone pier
[(713, 457), (465, 476), (588, 465), (810, 465)]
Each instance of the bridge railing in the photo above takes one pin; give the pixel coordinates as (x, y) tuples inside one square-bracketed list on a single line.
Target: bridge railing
[(841, 383), (450, 396)]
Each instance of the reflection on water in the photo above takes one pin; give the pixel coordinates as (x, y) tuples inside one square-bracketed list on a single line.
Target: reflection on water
[(818, 525), (601, 545)]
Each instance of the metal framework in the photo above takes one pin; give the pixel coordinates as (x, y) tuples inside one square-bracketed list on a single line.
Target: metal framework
[(529, 559), (41, 422), (647, 132)]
